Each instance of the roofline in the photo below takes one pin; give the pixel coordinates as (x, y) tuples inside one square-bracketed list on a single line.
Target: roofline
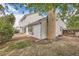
[(37, 22), (26, 16)]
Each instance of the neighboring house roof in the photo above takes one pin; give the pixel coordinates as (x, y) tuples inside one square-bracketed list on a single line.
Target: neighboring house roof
[(31, 18)]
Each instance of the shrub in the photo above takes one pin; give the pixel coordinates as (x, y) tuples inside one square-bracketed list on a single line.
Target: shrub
[(73, 22), (10, 18), (6, 31)]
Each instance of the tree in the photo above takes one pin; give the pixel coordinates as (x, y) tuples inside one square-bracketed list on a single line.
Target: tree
[(6, 30), (6, 27), (73, 19), (2, 9), (9, 18), (73, 22)]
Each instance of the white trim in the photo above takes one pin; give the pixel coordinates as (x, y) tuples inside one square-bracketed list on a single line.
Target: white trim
[(27, 31)]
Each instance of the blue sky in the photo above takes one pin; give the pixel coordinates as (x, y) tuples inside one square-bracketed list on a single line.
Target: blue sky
[(20, 10), (16, 10)]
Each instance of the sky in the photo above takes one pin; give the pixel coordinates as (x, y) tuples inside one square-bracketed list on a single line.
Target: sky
[(20, 10), (15, 9)]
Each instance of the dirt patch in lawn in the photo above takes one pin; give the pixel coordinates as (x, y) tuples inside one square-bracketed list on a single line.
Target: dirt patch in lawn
[(23, 36), (65, 46)]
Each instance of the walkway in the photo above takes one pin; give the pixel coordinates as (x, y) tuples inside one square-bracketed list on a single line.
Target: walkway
[(23, 36)]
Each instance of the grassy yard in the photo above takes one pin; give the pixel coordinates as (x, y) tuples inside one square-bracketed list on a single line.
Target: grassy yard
[(64, 46)]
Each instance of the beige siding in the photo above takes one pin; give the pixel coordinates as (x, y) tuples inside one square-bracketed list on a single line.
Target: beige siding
[(44, 29), (37, 31), (60, 25)]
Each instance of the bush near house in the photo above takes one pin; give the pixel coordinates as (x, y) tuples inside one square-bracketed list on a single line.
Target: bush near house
[(73, 22), (6, 30), (9, 18)]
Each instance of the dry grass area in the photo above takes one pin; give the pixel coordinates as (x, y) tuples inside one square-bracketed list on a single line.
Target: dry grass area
[(67, 46)]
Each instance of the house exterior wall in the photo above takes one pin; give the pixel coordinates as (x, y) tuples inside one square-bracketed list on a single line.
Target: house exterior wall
[(44, 29), (21, 30), (37, 31), (60, 25), (27, 33), (28, 20), (40, 29)]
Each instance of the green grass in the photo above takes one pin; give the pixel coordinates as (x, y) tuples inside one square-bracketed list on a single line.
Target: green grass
[(18, 45)]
